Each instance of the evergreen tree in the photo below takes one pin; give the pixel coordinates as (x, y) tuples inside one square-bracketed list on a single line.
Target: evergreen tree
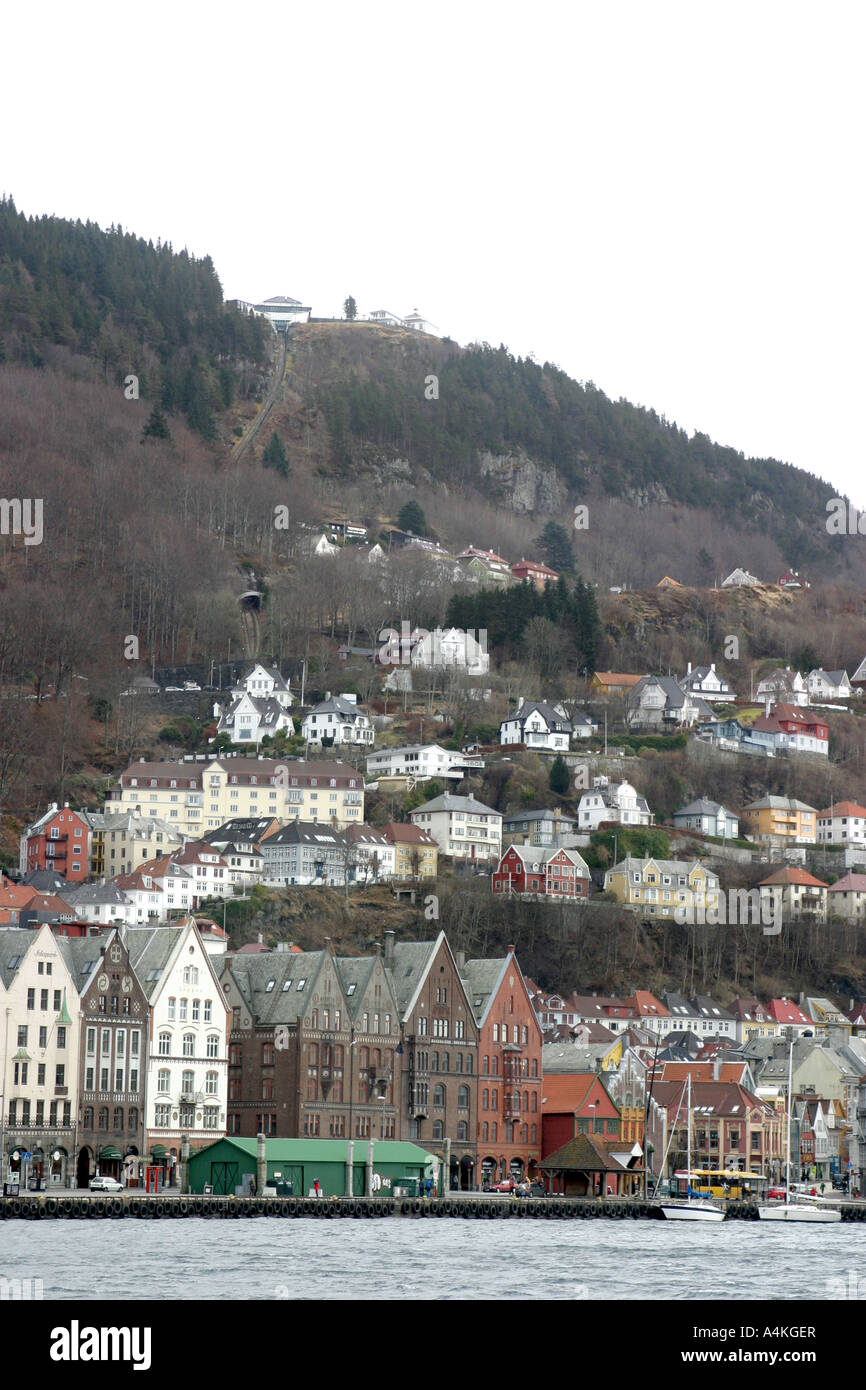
[(156, 427), (412, 519), (559, 777), (555, 546), (275, 455), (350, 308)]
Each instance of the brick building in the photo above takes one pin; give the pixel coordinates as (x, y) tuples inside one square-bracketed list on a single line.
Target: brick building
[(438, 1095), (508, 1126), (59, 840)]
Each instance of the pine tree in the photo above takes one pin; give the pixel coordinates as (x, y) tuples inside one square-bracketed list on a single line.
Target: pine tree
[(412, 519), (350, 308), (156, 427), (275, 455), (555, 546), (559, 777)]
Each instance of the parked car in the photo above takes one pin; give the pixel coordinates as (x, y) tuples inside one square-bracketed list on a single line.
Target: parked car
[(776, 1193), (103, 1182), (191, 685)]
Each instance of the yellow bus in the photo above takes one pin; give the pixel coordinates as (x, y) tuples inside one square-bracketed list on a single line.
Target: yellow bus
[(718, 1182)]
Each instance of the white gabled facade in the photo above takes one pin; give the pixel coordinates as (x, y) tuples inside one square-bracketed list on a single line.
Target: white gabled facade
[(187, 1079), (605, 802), (461, 826), (454, 649), (537, 725), (40, 1036)]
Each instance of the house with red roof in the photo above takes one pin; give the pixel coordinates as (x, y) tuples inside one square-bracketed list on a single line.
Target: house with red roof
[(792, 728), (534, 572), (583, 1151), (529, 870), (846, 898), (752, 1020), (842, 823), (789, 1015), (794, 893), (731, 1127)]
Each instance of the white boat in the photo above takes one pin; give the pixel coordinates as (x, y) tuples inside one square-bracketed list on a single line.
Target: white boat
[(802, 1210), (691, 1208)]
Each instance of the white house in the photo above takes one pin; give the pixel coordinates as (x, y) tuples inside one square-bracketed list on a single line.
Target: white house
[(786, 686), (660, 702), (453, 648), (336, 721), (843, 823), (461, 826), (187, 1071), (248, 719), (739, 577), (706, 682), (618, 802), (421, 762), (39, 1055), (828, 685), (709, 817), (537, 725), (207, 869), (847, 898), (102, 903), (374, 857), (283, 311)]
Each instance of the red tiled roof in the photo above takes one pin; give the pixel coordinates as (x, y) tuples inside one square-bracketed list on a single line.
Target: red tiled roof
[(844, 808), (786, 1011), (789, 875)]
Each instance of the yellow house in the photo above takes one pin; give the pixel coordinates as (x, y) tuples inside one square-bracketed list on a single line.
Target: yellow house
[(416, 852), (612, 682), (780, 819), (659, 887)]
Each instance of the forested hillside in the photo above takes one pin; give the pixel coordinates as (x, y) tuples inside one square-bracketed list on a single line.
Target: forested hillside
[(71, 290)]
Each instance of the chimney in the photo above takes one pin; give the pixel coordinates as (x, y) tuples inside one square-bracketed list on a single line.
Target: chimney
[(689, 669), (390, 938), (510, 950), (717, 1068), (460, 957), (260, 939), (767, 707)]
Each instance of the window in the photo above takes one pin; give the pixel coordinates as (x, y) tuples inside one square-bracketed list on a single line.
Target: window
[(43, 999), (60, 1075), (207, 1011), (91, 1041), (182, 1014), (463, 1098), (196, 1008), (438, 1130), (164, 1044), (162, 1081), (172, 1004), (189, 1044), (31, 998), (211, 1082), (118, 1119), (439, 1097), (212, 1045), (118, 1079), (40, 1074), (103, 1079), (22, 1035), (103, 1117)]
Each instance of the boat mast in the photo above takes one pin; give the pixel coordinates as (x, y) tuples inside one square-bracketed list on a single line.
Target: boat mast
[(689, 1142), (788, 1131)]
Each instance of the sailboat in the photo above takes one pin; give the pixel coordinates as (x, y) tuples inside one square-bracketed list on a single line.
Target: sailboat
[(691, 1208), (788, 1210)]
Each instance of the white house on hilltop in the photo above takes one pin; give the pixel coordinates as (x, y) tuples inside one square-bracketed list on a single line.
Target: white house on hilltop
[(461, 826), (619, 802), (259, 705)]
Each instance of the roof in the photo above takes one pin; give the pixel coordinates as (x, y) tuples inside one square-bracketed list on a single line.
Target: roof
[(844, 808), (704, 1071), (449, 802), (565, 1092), (324, 1150), (780, 803), (400, 833), (586, 1153), (150, 952), (786, 1011), (300, 832), (790, 875), (850, 883), (710, 1097), (411, 959), (552, 717), (284, 1002), (701, 807), (615, 678)]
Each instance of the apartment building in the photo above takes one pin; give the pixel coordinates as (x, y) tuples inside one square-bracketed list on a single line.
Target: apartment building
[(461, 826)]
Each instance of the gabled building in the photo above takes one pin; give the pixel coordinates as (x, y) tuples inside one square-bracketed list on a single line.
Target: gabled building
[(739, 577), (731, 1127), (828, 685), (208, 871), (785, 727), (313, 1046), (485, 568), (249, 718), (439, 1036), (616, 683), (453, 649), (338, 721), (706, 683), (659, 887), (537, 725), (786, 1014), (659, 702), (304, 853), (372, 856), (239, 844), (112, 1058), (546, 873), (783, 686), (508, 1127), (752, 1020), (186, 1086), (128, 835), (616, 802), (39, 1049), (58, 841)]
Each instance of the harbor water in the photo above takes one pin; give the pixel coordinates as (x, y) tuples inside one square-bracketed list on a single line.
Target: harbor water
[(404, 1259)]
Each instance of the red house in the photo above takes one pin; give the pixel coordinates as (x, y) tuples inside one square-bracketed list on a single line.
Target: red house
[(59, 840), (554, 873), (534, 571)]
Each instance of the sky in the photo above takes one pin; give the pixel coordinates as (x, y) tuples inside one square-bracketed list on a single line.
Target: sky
[(666, 199)]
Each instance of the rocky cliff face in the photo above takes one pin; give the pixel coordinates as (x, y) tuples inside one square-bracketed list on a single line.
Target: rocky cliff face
[(522, 484)]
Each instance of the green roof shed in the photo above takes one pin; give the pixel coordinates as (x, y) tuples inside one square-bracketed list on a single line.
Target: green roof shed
[(300, 1162)]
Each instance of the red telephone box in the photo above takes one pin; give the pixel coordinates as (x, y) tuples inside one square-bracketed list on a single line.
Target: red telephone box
[(154, 1179)]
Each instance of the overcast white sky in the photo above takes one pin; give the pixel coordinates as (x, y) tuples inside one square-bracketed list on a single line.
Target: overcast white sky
[(664, 198)]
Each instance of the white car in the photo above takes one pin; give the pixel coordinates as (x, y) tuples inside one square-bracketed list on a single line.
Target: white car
[(105, 1183)]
